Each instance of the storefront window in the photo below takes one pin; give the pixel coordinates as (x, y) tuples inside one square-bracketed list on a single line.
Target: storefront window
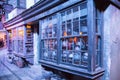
[(14, 40), (74, 39), (49, 38), (20, 39), (69, 41), (29, 40)]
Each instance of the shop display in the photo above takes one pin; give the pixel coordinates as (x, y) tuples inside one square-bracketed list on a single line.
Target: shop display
[(29, 40), (48, 38), (77, 58)]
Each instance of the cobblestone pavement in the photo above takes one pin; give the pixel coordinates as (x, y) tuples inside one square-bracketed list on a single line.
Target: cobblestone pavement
[(5, 74), (9, 71)]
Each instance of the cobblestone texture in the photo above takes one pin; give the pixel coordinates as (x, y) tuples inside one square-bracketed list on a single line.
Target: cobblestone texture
[(9, 71)]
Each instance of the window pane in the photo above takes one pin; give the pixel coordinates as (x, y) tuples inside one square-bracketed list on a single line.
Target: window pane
[(20, 44), (77, 57), (70, 44), (64, 32), (64, 44), (75, 9), (69, 27), (84, 58), (83, 9), (83, 25), (48, 38), (76, 26), (55, 30), (68, 11)]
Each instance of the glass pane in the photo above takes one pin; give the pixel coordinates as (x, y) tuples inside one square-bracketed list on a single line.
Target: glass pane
[(54, 55), (70, 57), (49, 32), (83, 9), (64, 44), (20, 44), (77, 57), (64, 56), (64, 33), (50, 44), (75, 9), (49, 29), (84, 43), (55, 44), (68, 11), (63, 13), (81, 43), (55, 30), (45, 44), (45, 54), (84, 58), (98, 25), (83, 25), (98, 47), (70, 44), (69, 27), (76, 26)]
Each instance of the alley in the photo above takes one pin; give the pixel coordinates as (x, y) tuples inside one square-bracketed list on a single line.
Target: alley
[(5, 74), (9, 71)]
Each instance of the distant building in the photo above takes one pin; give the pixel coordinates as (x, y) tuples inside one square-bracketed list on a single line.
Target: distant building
[(3, 36), (78, 39)]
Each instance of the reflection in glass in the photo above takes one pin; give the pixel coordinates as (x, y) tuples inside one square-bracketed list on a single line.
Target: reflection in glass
[(83, 9), (63, 29), (83, 25), (64, 56), (84, 58), (76, 58), (69, 27), (55, 30), (76, 26), (70, 57), (70, 44)]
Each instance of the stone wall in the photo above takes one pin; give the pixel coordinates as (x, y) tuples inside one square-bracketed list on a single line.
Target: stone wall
[(111, 48)]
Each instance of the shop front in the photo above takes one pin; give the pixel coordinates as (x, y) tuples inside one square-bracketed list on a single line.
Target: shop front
[(21, 44), (65, 36), (71, 40)]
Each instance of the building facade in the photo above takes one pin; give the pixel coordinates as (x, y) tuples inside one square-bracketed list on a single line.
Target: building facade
[(75, 37)]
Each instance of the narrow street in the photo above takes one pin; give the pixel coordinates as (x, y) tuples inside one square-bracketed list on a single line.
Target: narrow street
[(9, 71), (5, 74)]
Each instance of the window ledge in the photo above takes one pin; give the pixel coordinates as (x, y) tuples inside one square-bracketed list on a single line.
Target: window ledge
[(74, 70)]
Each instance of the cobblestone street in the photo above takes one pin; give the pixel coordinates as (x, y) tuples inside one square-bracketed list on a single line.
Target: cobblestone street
[(9, 71), (5, 74)]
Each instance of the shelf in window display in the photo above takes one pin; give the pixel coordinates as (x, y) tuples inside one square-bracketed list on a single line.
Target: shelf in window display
[(70, 36), (29, 34), (48, 38), (51, 55), (29, 37), (73, 58)]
